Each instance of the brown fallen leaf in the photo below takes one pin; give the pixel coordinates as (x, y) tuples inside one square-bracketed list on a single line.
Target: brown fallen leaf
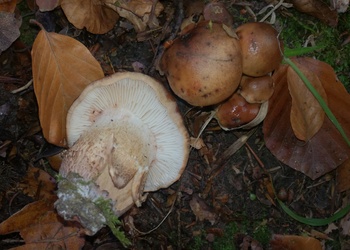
[(141, 13), (327, 149), (38, 184), (27, 216), (294, 242), (42, 228), (62, 67), (318, 9), (306, 114), (94, 15), (343, 176), (202, 210)]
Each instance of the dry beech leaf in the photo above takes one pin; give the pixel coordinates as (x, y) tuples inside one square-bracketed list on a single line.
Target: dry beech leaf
[(138, 12), (38, 184), (294, 242), (343, 177), (42, 228), (47, 5), (306, 115), (52, 232), (94, 15), (202, 210), (318, 9), (327, 149), (62, 67), (27, 216)]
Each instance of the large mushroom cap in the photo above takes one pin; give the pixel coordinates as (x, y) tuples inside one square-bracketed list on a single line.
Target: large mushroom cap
[(135, 97), (204, 65)]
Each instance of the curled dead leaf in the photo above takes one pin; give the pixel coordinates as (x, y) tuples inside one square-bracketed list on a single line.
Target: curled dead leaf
[(62, 67), (202, 210), (38, 184), (318, 9), (141, 13), (94, 15), (306, 114)]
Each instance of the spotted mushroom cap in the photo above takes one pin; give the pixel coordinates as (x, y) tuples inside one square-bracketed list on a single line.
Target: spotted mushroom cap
[(140, 98)]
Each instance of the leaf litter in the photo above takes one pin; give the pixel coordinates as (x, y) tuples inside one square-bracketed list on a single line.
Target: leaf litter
[(206, 201)]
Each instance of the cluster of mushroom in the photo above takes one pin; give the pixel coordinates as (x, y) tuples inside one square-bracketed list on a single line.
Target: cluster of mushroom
[(210, 64), (126, 138)]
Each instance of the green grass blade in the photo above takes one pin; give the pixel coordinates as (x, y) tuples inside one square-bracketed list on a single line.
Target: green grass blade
[(301, 51), (315, 221), (319, 99)]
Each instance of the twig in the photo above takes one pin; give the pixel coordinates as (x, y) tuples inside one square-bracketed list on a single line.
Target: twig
[(220, 164), (160, 223), (23, 87)]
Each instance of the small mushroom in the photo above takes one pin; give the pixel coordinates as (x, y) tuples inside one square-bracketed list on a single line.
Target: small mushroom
[(256, 89), (216, 11), (237, 113), (127, 138), (261, 48), (204, 65)]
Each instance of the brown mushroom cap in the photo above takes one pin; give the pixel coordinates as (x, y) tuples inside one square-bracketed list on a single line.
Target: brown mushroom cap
[(235, 112), (217, 12), (256, 89), (261, 48), (127, 136), (204, 65)]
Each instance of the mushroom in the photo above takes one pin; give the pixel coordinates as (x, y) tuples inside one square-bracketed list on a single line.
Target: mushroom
[(216, 11), (126, 138), (237, 113), (261, 48), (256, 89), (204, 65)]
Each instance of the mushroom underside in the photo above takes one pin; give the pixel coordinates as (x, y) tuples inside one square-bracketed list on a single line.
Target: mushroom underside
[(127, 138)]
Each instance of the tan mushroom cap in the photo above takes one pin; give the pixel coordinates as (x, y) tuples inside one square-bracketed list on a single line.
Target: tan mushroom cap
[(203, 65), (126, 133)]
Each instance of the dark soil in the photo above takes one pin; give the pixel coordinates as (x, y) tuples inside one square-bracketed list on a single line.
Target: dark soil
[(231, 193)]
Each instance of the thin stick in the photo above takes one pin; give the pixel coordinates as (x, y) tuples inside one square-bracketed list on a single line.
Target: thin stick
[(23, 87)]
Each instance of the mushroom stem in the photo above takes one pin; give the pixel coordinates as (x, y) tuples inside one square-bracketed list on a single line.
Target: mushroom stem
[(124, 150)]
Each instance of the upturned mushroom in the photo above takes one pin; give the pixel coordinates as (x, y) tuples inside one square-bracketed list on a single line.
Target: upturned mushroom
[(204, 64), (126, 138)]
